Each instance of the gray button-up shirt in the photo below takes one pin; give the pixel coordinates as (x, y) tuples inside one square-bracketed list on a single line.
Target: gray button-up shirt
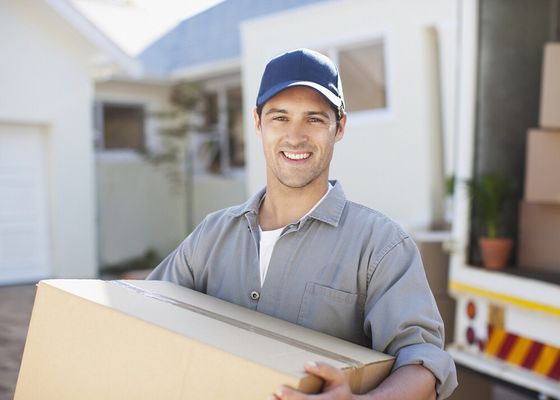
[(344, 270)]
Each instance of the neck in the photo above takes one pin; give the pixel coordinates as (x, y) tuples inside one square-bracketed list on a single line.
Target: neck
[(284, 205)]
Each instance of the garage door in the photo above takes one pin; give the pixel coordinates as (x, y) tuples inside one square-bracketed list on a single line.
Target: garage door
[(24, 230)]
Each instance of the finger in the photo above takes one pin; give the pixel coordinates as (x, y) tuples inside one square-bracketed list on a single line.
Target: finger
[(287, 393), (331, 375), (338, 393)]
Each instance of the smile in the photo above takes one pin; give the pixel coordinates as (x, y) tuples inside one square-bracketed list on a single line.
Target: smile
[(296, 156)]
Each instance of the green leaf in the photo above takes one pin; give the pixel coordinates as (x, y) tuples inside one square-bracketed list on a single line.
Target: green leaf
[(489, 194)]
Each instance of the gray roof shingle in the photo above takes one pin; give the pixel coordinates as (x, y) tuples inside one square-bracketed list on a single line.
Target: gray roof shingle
[(210, 36)]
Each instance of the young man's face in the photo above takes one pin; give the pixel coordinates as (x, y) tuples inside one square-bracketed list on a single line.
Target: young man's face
[(298, 131)]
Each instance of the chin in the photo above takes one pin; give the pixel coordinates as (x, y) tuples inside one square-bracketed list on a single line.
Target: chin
[(297, 183)]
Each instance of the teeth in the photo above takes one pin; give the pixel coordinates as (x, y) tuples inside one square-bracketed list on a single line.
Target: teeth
[(297, 156)]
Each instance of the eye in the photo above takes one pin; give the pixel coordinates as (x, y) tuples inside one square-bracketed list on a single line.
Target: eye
[(280, 118), (316, 120)]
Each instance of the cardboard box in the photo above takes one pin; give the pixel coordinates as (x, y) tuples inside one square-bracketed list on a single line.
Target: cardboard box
[(550, 87), (91, 339), (539, 237), (542, 173)]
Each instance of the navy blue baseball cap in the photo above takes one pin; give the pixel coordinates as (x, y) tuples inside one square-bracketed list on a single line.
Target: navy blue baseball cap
[(302, 67)]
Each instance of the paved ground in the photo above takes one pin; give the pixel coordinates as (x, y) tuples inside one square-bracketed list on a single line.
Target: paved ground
[(16, 303)]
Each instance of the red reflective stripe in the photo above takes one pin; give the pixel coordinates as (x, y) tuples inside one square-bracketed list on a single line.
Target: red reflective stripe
[(554, 372), (532, 355), (508, 343)]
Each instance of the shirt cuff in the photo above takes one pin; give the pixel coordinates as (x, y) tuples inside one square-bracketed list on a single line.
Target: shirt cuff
[(438, 361)]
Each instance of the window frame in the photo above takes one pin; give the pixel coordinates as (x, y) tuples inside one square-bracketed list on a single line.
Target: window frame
[(99, 126), (221, 87), (333, 48)]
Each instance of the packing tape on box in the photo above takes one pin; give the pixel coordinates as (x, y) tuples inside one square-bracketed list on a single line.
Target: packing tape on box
[(246, 326)]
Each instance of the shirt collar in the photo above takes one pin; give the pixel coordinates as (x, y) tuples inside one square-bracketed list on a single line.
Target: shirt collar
[(328, 211), (250, 206)]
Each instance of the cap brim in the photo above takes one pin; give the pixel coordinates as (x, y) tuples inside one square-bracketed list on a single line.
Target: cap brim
[(273, 91)]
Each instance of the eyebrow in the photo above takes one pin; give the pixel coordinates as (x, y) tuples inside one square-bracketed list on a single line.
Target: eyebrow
[(308, 113), (324, 114), (276, 110)]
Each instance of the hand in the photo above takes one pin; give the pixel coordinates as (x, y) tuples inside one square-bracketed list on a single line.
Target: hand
[(336, 385)]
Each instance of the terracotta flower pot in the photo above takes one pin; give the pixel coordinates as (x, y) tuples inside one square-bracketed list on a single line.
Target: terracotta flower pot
[(495, 251)]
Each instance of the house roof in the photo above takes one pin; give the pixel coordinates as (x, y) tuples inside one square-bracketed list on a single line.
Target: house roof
[(211, 37), (96, 37)]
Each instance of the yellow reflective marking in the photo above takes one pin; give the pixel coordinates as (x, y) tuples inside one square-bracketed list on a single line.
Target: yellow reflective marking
[(496, 339), (518, 301), (546, 360), (519, 350)]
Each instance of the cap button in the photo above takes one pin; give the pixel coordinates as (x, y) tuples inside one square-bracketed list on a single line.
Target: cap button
[(255, 295)]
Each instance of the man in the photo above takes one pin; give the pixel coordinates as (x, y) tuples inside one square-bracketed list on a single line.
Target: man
[(300, 251)]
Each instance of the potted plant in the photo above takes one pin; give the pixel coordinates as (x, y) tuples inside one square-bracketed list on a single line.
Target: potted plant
[(489, 194)]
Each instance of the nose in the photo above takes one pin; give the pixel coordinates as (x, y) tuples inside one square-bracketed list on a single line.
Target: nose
[(296, 134)]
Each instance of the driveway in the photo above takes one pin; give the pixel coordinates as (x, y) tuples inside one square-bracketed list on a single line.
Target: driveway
[(16, 303)]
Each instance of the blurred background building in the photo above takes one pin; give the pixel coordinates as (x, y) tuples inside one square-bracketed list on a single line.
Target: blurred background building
[(132, 148), (122, 127)]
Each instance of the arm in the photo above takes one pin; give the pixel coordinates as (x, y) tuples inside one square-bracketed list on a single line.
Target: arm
[(411, 382), (402, 316), (177, 267), (408, 382)]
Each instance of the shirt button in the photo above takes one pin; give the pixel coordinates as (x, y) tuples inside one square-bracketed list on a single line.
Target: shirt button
[(255, 295)]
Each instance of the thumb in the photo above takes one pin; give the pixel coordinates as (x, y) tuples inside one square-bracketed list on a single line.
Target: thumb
[(331, 375)]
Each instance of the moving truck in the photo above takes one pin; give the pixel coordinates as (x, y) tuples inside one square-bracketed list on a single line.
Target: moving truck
[(507, 322)]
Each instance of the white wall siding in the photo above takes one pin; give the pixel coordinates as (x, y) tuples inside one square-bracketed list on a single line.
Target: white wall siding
[(139, 209), (213, 193), (45, 79)]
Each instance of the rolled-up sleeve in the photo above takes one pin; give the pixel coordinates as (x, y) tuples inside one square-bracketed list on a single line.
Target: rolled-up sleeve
[(401, 314)]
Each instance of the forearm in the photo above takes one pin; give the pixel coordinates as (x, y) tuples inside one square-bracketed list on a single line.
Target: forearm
[(411, 382)]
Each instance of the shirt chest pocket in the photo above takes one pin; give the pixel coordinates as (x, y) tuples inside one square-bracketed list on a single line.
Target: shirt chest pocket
[(332, 311)]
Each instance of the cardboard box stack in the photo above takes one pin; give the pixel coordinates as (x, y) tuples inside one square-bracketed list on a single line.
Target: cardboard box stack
[(539, 228), (550, 88), (91, 339)]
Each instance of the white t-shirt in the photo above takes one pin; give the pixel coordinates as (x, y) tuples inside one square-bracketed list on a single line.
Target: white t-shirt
[(269, 238)]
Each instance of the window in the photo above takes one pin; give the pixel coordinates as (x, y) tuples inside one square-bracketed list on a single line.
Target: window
[(363, 74), (210, 100), (363, 77), (219, 145), (122, 127)]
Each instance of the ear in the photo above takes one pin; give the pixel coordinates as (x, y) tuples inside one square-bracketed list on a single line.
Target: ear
[(341, 128), (257, 122)]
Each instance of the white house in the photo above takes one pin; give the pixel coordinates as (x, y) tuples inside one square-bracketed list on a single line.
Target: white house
[(397, 61), (79, 122), (50, 58)]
